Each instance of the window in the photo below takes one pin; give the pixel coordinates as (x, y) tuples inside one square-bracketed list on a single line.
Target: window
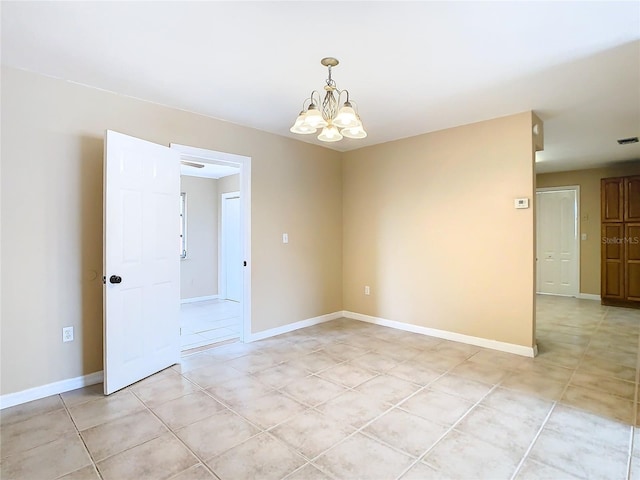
[(183, 225)]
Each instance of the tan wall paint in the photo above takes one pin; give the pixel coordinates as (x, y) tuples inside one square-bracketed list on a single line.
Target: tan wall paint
[(430, 225), (228, 184), (589, 181), (51, 154), (199, 271)]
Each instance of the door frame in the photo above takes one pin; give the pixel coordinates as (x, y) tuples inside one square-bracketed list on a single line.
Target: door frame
[(578, 236), (222, 274), (243, 163)]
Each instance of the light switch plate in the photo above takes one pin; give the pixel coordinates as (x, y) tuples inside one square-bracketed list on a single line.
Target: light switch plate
[(521, 203)]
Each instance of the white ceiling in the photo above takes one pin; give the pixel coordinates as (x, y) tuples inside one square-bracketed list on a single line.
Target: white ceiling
[(412, 67), (208, 169)]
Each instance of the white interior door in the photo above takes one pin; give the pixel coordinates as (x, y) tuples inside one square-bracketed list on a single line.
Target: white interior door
[(232, 246), (141, 259), (557, 242)]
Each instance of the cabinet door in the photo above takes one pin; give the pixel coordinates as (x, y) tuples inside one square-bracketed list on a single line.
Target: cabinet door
[(612, 202), (632, 199), (632, 264), (613, 261)]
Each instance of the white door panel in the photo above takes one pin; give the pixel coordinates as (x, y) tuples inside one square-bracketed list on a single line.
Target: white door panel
[(232, 246), (141, 229), (557, 242)]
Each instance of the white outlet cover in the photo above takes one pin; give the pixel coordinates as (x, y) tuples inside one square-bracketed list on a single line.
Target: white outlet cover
[(67, 334)]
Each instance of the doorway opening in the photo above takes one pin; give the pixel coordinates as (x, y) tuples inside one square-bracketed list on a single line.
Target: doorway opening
[(558, 241), (214, 266), (560, 330)]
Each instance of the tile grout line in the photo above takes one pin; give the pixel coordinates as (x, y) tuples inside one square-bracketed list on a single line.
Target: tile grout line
[(224, 404), (421, 389), (584, 354), (593, 338), (93, 462), (177, 438), (269, 430), (378, 373), (369, 422), (533, 441), (575, 369), (422, 456)]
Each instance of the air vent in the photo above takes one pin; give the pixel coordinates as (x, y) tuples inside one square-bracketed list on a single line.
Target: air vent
[(192, 164), (627, 141)]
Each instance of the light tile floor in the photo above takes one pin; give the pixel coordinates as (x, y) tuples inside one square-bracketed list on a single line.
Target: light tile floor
[(209, 322), (350, 400)]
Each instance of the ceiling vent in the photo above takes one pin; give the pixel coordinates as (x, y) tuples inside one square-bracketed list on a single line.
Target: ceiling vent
[(627, 141)]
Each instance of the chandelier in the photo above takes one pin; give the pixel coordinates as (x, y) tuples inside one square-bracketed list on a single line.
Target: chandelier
[(335, 122)]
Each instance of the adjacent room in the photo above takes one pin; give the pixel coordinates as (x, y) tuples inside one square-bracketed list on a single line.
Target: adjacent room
[(406, 249), (210, 258)]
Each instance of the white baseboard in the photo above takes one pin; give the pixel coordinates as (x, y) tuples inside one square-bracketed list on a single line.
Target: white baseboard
[(272, 332), (456, 337), (583, 296), (199, 299), (36, 393), (589, 296)]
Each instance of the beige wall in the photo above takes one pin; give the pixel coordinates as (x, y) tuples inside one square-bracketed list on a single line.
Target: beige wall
[(199, 271), (589, 181), (438, 247), (51, 154), (430, 225), (229, 184)]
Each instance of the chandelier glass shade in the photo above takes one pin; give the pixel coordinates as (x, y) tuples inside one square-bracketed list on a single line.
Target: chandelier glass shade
[(326, 113)]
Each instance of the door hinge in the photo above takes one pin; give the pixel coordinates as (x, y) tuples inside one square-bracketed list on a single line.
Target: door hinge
[(104, 280)]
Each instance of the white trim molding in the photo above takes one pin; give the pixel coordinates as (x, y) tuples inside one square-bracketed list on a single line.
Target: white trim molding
[(456, 337), (589, 296), (199, 299), (36, 393), (272, 332), (244, 164)]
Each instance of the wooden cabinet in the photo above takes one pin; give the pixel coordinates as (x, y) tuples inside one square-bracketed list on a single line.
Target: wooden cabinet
[(632, 196), (612, 205), (612, 262), (620, 249)]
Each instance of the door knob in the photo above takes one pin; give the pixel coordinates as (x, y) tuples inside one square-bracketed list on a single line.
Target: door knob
[(115, 279)]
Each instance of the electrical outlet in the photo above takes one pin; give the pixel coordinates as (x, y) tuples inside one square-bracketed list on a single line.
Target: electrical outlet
[(67, 334), (367, 290)]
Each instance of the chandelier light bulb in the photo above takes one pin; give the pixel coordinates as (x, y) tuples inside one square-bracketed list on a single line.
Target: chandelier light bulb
[(313, 118), (346, 117), (330, 134), (355, 132), (300, 127)]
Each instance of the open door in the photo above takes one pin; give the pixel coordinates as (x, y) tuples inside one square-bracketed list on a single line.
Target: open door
[(141, 259)]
